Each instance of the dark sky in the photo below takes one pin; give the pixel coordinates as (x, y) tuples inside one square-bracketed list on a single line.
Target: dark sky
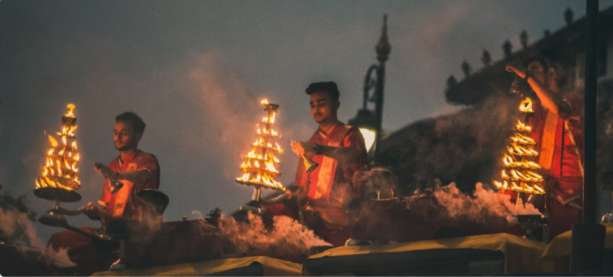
[(194, 70)]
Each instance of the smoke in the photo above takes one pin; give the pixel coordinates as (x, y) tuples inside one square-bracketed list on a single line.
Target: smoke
[(462, 147), (377, 182), (484, 209), (196, 214), (59, 258), (482, 206), (286, 238), (18, 229), (435, 212), (229, 108)]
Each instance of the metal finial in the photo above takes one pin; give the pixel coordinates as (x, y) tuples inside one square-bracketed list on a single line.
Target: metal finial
[(507, 48), (523, 39), (451, 82), (568, 16), (486, 58), (466, 68), (383, 47)]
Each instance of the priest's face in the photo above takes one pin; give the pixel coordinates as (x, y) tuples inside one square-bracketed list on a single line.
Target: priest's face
[(124, 136), (323, 107)]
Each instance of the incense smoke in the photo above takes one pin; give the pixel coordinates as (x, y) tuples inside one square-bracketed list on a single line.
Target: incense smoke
[(463, 147), (16, 226), (59, 258), (286, 239), (435, 212), (484, 205)]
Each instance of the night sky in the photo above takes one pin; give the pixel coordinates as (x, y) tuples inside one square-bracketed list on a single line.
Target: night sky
[(194, 70)]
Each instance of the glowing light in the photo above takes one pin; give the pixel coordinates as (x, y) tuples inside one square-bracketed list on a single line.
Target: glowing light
[(521, 173), (70, 110), (259, 166), (525, 106), (60, 169), (369, 136)]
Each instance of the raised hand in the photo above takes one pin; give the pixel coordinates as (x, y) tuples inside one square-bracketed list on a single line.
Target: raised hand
[(297, 148), (519, 73)]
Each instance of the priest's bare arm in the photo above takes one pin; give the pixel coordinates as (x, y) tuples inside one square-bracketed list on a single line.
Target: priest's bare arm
[(549, 100)]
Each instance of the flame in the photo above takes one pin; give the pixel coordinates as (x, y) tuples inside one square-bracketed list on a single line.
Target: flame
[(61, 166), (522, 127), (70, 110), (522, 139), (517, 150), (259, 166), (520, 171), (525, 106)]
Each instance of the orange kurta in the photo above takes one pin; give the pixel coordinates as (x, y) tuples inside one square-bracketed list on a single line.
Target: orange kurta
[(121, 203), (319, 184), (558, 141)]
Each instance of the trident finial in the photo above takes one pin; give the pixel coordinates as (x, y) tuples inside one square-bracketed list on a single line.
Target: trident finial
[(383, 47)]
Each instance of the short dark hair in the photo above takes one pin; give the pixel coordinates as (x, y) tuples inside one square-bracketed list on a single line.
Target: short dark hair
[(329, 87), (549, 65), (133, 119), (543, 61)]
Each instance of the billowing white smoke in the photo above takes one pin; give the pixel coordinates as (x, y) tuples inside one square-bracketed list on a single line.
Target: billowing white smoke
[(286, 238), (378, 182), (482, 205), (17, 227), (435, 212)]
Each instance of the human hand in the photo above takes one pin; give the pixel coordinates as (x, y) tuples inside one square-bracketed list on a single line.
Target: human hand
[(297, 148), (519, 73), (91, 210)]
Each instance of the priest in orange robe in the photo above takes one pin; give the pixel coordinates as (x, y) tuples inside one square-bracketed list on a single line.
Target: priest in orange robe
[(556, 128), (335, 151), (131, 172)]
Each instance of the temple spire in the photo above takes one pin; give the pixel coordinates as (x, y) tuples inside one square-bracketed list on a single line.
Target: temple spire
[(383, 47)]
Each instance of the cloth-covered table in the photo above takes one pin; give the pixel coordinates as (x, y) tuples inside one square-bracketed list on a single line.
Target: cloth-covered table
[(520, 255), (256, 265), (556, 256)]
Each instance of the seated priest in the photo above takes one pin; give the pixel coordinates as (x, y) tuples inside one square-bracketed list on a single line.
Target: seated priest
[(329, 160), (557, 131), (120, 212), (131, 172)]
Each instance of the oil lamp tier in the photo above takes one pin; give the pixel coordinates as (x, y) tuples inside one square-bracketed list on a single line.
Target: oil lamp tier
[(520, 171), (59, 177), (259, 168)]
